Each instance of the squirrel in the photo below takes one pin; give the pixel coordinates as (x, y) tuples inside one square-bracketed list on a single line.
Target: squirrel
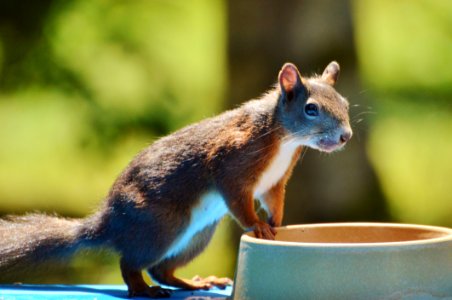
[(162, 210)]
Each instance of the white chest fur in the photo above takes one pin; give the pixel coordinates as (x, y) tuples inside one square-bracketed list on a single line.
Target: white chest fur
[(277, 168), (210, 209)]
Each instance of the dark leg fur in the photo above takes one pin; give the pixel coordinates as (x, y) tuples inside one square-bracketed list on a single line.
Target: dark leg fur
[(136, 285), (132, 232)]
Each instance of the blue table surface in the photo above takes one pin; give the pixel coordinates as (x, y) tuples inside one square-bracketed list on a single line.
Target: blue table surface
[(94, 292)]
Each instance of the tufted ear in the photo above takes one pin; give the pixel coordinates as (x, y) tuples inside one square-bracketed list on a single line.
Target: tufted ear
[(331, 73), (289, 80)]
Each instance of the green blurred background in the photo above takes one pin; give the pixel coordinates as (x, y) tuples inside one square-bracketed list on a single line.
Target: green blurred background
[(84, 85)]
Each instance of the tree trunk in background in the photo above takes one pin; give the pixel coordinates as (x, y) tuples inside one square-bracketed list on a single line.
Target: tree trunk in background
[(265, 34)]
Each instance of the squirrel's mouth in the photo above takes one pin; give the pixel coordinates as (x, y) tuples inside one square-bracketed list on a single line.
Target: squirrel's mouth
[(330, 148), (329, 141), (329, 145)]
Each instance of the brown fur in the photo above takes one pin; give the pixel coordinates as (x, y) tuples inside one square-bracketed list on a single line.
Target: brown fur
[(150, 205)]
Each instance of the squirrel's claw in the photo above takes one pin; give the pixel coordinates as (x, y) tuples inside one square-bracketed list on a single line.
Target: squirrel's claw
[(212, 281), (263, 230)]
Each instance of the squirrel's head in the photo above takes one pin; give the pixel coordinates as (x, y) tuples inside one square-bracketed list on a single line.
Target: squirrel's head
[(311, 110)]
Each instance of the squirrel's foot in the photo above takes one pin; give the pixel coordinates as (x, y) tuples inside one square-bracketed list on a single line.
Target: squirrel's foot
[(150, 292), (263, 230), (212, 281)]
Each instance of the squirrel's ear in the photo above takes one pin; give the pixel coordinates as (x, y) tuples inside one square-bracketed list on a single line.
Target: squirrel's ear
[(289, 79), (331, 73)]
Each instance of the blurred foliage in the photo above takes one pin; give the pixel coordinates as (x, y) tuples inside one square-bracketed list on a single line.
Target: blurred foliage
[(98, 83), (405, 45), (415, 172), (405, 50), (85, 85)]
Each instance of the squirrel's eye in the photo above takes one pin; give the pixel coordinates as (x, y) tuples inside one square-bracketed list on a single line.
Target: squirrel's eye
[(311, 110)]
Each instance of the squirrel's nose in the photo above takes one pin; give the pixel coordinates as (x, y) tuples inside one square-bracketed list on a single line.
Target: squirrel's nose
[(345, 136)]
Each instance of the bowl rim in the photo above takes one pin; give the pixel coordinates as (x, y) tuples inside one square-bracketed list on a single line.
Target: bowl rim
[(248, 236)]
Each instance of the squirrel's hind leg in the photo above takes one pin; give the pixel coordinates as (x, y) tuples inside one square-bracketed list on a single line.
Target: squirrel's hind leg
[(163, 272), (136, 285)]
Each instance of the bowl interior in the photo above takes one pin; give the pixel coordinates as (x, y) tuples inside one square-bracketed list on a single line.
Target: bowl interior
[(359, 233)]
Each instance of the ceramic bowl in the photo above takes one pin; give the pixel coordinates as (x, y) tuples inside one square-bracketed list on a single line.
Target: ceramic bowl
[(347, 261)]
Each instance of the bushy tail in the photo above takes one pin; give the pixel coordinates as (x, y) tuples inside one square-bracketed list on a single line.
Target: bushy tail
[(27, 241)]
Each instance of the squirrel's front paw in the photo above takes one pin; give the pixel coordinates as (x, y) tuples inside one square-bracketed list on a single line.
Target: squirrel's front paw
[(263, 230)]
